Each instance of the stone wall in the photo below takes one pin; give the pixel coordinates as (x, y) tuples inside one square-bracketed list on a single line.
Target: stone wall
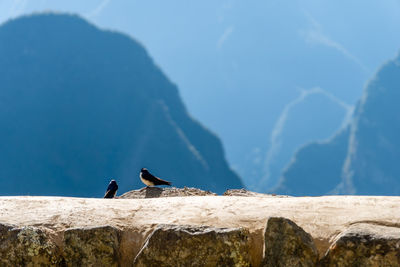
[(285, 244), (45, 231)]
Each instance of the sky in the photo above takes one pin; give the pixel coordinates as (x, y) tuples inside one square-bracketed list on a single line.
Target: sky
[(254, 72)]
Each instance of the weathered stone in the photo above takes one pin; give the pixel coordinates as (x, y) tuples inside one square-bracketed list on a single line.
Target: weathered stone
[(154, 192), (98, 246), (246, 193), (171, 245), (287, 244), (322, 217), (27, 246), (365, 245)]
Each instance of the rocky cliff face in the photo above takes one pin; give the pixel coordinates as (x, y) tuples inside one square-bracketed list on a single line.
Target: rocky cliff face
[(316, 168), (371, 165), (362, 159), (252, 230), (79, 106)]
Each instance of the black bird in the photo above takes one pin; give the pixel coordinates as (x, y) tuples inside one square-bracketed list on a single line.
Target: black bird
[(150, 180), (111, 189)]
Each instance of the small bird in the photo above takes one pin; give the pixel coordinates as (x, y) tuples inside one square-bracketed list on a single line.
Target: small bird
[(111, 189), (150, 180)]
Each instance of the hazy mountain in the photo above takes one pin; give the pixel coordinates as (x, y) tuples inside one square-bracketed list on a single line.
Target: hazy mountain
[(303, 121), (371, 165), (79, 106), (316, 168), (361, 160), (239, 64)]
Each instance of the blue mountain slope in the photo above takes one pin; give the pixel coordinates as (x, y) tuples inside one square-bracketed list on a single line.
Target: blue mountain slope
[(363, 159), (79, 106), (371, 165), (316, 168)]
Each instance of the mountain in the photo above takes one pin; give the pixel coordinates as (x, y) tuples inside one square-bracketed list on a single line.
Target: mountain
[(316, 168), (247, 61), (361, 160), (79, 106), (303, 121), (371, 165)]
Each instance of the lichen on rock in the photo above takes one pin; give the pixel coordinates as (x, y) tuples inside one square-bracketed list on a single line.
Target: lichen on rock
[(27, 246), (246, 193), (96, 246), (366, 245), (173, 245), (287, 244), (156, 192)]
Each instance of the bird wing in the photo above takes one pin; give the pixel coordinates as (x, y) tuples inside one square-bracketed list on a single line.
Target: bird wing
[(112, 187), (159, 181), (155, 180), (109, 187), (150, 177)]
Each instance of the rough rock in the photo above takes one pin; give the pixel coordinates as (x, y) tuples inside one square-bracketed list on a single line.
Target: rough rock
[(96, 246), (27, 246), (365, 245), (287, 244), (154, 192), (322, 217), (246, 193), (173, 245)]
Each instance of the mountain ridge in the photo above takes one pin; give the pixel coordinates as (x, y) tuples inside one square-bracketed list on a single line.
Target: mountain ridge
[(363, 158), (82, 105)]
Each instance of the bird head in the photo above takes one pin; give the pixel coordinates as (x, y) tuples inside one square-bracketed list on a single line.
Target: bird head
[(143, 170)]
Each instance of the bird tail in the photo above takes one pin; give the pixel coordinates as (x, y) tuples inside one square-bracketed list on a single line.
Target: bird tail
[(108, 194), (163, 182)]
